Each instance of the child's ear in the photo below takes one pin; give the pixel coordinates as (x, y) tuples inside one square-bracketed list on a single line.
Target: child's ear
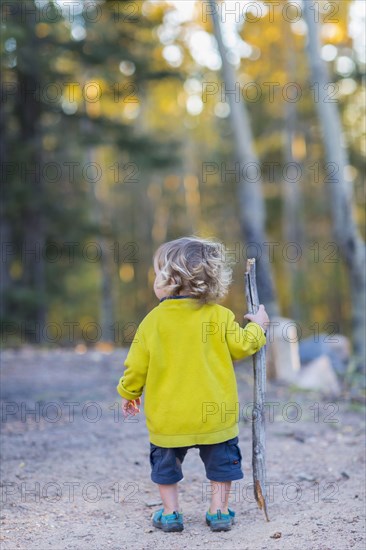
[(177, 280)]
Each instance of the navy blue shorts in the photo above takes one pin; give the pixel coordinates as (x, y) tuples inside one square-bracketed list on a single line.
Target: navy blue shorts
[(222, 462)]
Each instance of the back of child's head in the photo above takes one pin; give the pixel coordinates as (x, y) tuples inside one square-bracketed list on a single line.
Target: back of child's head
[(194, 266)]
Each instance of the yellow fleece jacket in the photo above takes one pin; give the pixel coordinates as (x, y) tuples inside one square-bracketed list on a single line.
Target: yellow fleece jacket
[(182, 356)]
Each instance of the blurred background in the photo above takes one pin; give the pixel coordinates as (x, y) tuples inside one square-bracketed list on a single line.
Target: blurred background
[(126, 124)]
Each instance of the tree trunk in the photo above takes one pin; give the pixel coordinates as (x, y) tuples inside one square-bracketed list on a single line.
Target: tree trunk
[(291, 220), (29, 113), (5, 230), (345, 231), (252, 207), (107, 272)]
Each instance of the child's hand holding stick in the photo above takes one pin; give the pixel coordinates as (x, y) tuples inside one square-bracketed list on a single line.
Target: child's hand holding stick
[(261, 317)]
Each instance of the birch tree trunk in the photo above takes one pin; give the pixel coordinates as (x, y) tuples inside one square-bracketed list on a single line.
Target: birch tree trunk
[(291, 221), (252, 208), (345, 231)]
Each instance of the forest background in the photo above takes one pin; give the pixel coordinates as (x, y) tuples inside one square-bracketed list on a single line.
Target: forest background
[(116, 136)]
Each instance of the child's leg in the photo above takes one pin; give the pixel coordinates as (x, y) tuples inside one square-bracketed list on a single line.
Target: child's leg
[(222, 461), (220, 496), (166, 472), (169, 496)]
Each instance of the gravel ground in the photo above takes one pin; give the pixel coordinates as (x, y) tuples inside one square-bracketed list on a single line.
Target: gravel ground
[(76, 476)]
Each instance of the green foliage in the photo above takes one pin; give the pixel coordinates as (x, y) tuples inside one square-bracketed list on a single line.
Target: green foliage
[(151, 153)]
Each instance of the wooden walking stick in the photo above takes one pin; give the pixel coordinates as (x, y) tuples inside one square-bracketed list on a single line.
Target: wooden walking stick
[(258, 417)]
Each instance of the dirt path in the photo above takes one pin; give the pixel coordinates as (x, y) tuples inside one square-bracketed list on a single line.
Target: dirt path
[(78, 477)]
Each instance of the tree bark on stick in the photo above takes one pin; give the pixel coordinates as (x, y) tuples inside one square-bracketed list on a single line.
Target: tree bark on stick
[(258, 416)]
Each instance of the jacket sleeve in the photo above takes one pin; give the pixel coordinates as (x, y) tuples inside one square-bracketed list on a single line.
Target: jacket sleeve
[(131, 384), (243, 342)]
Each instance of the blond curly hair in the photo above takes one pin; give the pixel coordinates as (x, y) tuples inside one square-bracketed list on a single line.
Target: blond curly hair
[(195, 266)]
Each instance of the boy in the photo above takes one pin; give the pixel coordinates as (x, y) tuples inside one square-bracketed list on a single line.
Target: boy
[(182, 358)]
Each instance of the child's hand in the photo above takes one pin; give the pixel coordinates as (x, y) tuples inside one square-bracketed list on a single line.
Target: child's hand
[(130, 408), (261, 317)]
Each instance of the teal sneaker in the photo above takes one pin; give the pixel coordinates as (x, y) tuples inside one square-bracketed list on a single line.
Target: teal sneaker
[(169, 523), (220, 521)]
